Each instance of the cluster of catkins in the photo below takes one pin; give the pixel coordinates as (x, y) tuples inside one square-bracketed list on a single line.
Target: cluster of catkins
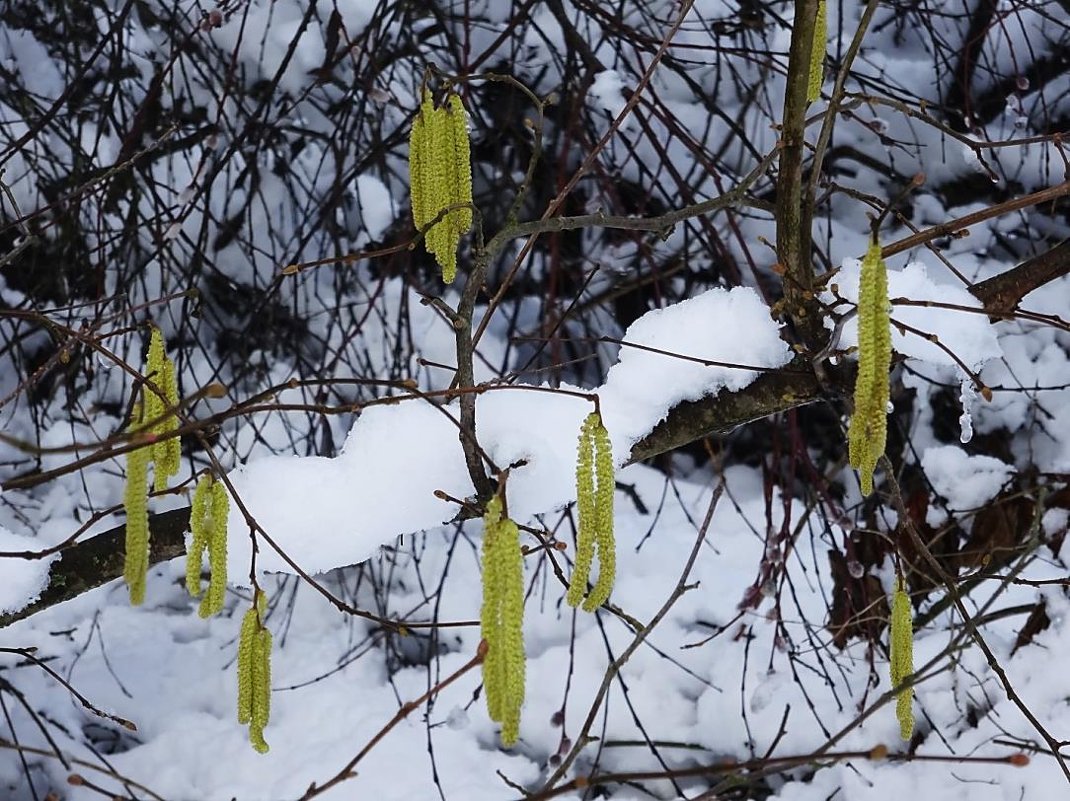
[(440, 178), (502, 617), (154, 423)]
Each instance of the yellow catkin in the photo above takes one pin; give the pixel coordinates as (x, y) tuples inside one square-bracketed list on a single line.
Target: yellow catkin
[(261, 711), (199, 525), (440, 176), (136, 503), (868, 430), (212, 603), (502, 621), (420, 186), (817, 53), (246, 640), (254, 673), (155, 403), (462, 164), (594, 503), (607, 546), (902, 657), (586, 511), (208, 525), (167, 451)]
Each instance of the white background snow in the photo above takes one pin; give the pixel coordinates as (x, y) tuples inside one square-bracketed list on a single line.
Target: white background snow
[(717, 679)]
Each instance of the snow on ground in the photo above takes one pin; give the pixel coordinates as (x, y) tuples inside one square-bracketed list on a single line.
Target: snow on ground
[(172, 674)]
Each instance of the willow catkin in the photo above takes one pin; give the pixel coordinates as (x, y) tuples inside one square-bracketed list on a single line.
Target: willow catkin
[(902, 657), (817, 53), (440, 176), (502, 620), (595, 485), (868, 430), (136, 504), (254, 673)]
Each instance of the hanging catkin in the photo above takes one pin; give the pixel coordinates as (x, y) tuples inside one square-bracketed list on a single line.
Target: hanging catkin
[(154, 419), (208, 526), (868, 429), (502, 620), (160, 411), (254, 673), (594, 502), (902, 657), (440, 176), (136, 504)]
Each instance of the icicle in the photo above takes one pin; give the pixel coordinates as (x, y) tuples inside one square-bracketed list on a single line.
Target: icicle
[(967, 397)]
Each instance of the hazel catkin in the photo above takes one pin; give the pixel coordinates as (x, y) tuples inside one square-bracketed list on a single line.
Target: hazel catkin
[(868, 429), (440, 176), (208, 526), (502, 620), (902, 657), (817, 53), (136, 504), (595, 486), (160, 411), (254, 673)]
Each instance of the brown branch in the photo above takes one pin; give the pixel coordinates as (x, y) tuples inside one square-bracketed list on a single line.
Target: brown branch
[(94, 562), (1002, 293), (794, 386), (953, 227), (794, 207)]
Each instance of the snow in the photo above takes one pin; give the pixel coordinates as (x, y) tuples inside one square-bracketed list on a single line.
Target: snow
[(605, 92), (966, 482), (946, 311), (733, 327), (742, 665), (21, 580), (376, 205), (330, 513)]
